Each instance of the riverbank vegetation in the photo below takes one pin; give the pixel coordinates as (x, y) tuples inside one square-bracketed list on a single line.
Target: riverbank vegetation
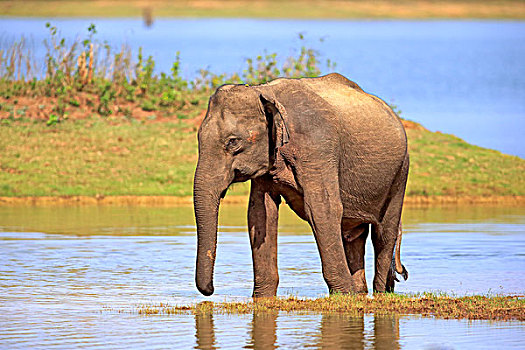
[(93, 120), (307, 9), (426, 304)]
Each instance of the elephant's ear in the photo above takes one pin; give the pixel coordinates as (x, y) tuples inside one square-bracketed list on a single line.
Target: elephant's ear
[(277, 119)]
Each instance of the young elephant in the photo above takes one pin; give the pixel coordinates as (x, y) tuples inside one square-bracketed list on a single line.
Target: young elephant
[(337, 155)]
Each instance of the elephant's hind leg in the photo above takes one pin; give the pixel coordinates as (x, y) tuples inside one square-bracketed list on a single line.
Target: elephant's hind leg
[(354, 240), (384, 242), (385, 233)]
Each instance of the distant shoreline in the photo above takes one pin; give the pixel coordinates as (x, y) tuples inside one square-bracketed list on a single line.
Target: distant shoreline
[(80, 136), (234, 200), (294, 9)]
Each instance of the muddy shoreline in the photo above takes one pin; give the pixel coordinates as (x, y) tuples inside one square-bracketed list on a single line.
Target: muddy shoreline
[(187, 200)]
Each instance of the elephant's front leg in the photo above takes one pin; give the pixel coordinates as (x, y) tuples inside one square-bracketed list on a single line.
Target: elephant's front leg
[(324, 211), (263, 215)]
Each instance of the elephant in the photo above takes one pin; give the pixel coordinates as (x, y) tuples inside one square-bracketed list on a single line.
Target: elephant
[(337, 155)]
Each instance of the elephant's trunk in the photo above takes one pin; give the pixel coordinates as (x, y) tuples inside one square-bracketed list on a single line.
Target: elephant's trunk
[(206, 197)]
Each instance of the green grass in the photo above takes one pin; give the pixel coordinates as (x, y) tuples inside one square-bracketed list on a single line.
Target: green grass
[(445, 165), (425, 304), (120, 157), (94, 157)]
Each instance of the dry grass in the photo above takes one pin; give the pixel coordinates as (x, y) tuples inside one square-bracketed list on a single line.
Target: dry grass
[(426, 304), (404, 9)]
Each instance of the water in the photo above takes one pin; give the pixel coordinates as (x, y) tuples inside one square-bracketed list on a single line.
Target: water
[(62, 267), (460, 77)]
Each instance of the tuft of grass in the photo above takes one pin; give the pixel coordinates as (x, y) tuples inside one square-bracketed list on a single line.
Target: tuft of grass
[(439, 305)]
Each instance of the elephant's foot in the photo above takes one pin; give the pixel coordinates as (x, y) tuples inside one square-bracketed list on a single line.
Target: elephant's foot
[(261, 294), (360, 281), (342, 288), (390, 285), (391, 279), (268, 289)]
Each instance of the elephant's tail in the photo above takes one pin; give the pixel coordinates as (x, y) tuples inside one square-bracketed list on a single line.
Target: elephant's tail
[(400, 268)]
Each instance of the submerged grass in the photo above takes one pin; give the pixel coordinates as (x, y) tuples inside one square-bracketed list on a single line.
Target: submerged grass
[(439, 305)]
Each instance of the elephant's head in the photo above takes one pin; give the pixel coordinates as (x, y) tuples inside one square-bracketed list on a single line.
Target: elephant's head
[(237, 141)]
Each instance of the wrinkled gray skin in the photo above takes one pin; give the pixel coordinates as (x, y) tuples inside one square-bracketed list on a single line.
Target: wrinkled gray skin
[(337, 155)]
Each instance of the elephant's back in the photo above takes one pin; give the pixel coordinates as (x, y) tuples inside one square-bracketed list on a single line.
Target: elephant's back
[(347, 96), (337, 90), (342, 108), (356, 109)]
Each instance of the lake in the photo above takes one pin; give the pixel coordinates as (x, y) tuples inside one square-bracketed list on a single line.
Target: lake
[(64, 269), (461, 77)]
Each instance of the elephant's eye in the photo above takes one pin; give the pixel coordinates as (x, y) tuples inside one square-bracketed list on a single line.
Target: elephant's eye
[(232, 144)]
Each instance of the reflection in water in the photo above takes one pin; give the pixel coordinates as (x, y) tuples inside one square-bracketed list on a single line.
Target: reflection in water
[(342, 332), (339, 331), (263, 332), (204, 331), (336, 331), (136, 220), (386, 332)]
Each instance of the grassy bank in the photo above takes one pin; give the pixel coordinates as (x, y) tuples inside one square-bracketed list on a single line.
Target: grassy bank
[(100, 122), (108, 157), (307, 9), (427, 304)]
